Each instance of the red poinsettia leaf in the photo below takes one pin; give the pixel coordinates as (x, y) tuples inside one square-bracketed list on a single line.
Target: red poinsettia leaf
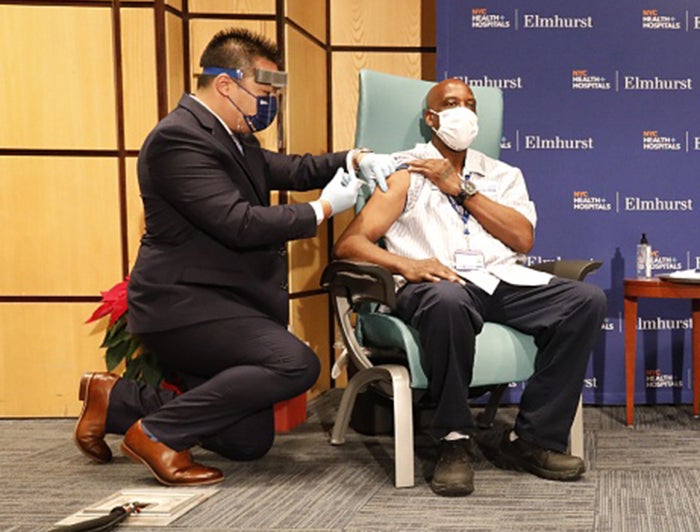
[(114, 302), (166, 385), (119, 308), (101, 311), (116, 293)]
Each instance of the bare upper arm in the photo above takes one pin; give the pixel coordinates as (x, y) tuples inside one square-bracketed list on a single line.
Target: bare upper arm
[(382, 209)]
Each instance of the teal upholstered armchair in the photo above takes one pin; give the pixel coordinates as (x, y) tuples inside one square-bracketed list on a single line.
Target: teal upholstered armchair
[(384, 351)]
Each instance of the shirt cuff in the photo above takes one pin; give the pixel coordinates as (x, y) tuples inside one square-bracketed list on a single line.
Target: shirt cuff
[(348, 161), (318, 209)]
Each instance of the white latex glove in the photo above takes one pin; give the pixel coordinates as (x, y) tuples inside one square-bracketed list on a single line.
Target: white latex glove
[(375, 168), (341, 191)]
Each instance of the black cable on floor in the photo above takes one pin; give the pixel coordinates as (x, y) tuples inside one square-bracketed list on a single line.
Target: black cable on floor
[(105, 522)]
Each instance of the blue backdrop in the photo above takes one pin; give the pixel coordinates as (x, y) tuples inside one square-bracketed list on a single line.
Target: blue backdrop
[(602, 116)]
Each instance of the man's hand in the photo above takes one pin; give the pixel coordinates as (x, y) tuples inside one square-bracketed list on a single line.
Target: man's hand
[(375, 168), (440, 172), (340, 193), (432, 270)]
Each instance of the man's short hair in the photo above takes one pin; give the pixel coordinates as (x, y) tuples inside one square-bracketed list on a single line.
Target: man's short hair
[(236, 48)]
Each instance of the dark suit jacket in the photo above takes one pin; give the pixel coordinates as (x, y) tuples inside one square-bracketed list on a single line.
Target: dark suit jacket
[(214, 247)]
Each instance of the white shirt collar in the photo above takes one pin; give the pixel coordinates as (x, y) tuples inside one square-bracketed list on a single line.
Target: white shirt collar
[(228, 129)]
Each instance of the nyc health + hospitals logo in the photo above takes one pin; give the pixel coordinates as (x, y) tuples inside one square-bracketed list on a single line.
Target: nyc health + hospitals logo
[(655, 378), (582, 79), (652, 19), (483, 19), (652, 140), (665, 263), (585, 201), (655, 140)]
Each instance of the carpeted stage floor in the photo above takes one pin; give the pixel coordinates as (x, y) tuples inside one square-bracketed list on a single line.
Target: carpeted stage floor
[(645, 478)]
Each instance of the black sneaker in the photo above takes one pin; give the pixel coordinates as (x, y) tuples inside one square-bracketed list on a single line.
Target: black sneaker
[(522, 455), (453, 476)]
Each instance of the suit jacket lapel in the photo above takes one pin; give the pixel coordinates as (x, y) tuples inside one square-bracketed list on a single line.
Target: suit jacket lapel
[(219, 134)]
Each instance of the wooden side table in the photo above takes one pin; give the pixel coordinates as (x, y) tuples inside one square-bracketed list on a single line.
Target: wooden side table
[(660, 289)]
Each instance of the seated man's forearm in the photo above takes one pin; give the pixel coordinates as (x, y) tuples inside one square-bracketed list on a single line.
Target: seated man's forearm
[(357, 247), (503, 222)]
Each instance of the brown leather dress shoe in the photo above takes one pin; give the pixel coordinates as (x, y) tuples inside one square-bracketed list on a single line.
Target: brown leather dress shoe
[(170, 467), (90, 430)]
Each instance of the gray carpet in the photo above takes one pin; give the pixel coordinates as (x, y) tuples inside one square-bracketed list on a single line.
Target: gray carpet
[(641, 479)]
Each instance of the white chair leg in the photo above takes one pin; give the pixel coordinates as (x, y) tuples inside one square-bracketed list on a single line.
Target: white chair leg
[(576, 435), (403, 416), (347, 402), (403, 426)]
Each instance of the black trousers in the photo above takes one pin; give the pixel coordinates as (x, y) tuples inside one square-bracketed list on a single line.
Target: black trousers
[(234, 371), (565, 319)]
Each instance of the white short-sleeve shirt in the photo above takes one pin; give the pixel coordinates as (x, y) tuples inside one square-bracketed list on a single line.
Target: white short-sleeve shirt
[(430, 226)]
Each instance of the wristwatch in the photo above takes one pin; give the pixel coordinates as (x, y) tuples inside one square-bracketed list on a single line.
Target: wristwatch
[(466, 190)]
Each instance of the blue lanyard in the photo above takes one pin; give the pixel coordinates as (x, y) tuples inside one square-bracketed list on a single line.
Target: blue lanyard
[(459, 209)]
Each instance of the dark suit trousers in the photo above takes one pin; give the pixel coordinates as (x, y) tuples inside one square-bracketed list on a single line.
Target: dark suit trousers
[(234, 371), (563, 316)]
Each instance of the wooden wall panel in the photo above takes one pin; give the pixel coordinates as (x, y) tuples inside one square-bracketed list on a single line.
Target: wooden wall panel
[(139, 74), (57, 78), (177, 4), (175, 51), (59, 225), (346, 67), (307, 257), (45, 348), (306, 95), (307, 128), (310, 15), (232, 6), (309, 320), (382, 23), (136, 224)]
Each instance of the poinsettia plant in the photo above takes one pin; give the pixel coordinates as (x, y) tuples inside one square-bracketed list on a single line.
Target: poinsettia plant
[(119, 343)]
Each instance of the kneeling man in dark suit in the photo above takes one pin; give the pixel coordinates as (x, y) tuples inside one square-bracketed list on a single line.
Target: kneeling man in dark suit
[(208, 293)]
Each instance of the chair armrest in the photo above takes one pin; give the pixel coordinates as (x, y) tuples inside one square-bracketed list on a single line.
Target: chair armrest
[(569, 269), (361, 282)]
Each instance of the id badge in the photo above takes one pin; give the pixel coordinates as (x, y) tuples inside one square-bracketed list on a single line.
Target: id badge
[(468, 261)]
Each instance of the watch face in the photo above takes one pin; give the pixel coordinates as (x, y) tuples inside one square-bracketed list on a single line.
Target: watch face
[(469, 188)]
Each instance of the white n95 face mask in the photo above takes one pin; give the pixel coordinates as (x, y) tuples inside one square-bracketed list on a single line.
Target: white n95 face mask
[(458, 127)]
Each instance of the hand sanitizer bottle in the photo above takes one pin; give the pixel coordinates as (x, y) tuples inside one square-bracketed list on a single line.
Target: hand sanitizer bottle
[(643, 258)]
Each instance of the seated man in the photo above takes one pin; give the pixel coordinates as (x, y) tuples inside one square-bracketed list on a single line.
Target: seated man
[(456, 225)]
